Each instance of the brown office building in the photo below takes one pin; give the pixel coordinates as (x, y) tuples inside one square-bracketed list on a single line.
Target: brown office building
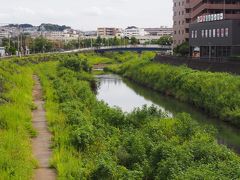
[(181, 20), (211, 26)]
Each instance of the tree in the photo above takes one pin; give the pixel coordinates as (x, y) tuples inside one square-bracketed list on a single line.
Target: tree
[(165, 40), (98, 42), (182, 49), (134, 41), (41, 44), (9, 46)]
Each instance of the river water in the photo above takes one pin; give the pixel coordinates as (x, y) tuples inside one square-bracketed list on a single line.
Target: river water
[(127, 95)]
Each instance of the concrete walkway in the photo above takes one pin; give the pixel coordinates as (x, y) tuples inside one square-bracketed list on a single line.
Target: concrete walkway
[(41, 144)]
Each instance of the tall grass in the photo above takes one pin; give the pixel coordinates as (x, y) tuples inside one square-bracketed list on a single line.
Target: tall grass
[(16, 160)]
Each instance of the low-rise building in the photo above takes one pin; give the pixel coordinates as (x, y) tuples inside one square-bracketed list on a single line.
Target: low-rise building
[(106, 32), (162, 31), (133, 31)]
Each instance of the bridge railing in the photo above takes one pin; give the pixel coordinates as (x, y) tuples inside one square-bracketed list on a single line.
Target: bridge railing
[(136, 46), (164, 47)]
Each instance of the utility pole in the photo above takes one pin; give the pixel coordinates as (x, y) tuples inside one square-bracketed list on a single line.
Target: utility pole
[(9, 42), (21, 43), (18, 41), (79, 41)]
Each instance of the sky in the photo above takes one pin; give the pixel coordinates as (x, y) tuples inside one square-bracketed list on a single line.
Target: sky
[(88, 14)]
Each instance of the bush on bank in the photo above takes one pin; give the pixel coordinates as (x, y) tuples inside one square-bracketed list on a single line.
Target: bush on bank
[(216, 93), (94, 141)]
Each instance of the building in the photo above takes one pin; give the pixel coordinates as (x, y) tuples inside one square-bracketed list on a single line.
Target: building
[(106, 32), (162, 31), (66, 35), (181, 20), (4, 34), (54, 35), (2, 51), (90, 34), (215, 39), (133, 31), (214, 28)]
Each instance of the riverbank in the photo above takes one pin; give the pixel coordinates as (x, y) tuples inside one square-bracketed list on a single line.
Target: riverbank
[(92, 140), (118, 91), (218, 94)]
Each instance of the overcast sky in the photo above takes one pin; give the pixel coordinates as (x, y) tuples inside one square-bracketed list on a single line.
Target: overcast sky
[(88, 14)]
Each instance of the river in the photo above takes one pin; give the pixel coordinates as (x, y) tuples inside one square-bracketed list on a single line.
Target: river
[(120, 92)]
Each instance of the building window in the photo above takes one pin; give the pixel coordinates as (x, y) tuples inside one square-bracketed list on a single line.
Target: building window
[(214, 33), (226, 32), (196, 34), (203, 33), (222, 32), (218, 32), (206, 33), (192, 34), (210, 33)]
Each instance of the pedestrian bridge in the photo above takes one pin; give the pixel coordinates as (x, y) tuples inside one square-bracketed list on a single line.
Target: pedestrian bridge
[(138, 48)]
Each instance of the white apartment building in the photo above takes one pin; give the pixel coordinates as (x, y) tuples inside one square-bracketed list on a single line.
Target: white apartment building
[(54, 35), (133, 31), (61, 35)]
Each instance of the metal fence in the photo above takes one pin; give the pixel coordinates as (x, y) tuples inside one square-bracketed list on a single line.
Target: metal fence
[(230, 65)]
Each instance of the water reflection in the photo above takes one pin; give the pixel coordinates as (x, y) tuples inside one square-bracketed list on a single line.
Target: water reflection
[(128, 95), (115, 92)]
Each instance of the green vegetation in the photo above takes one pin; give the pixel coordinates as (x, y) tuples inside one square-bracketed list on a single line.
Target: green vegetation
[(16, 161), (182, 49), (94, 141), (164, 40), (53, 27), (218, 94), (126, 56)]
